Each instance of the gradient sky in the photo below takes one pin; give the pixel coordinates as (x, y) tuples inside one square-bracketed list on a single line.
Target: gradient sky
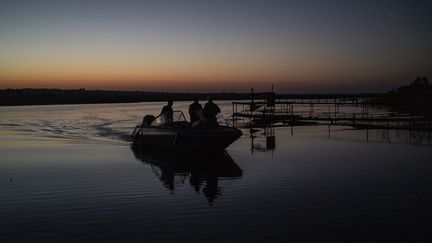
[(300, 46)]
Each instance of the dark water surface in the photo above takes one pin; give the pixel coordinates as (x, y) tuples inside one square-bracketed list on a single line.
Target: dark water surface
[(68, 173)]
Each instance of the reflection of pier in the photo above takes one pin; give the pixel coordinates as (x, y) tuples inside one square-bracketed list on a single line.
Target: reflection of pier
[(264, 109), (385, 136), (262, 139), (203, 170)]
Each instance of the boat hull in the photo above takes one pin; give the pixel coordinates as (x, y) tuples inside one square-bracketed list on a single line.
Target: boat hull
[(208, 139)]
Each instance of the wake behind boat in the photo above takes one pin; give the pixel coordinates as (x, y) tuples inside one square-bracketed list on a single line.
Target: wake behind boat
[(181, 135)]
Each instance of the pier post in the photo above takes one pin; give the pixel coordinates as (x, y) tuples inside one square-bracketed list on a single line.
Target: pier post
[(367, 134), (311, 109), (292, 111), (335, 108)]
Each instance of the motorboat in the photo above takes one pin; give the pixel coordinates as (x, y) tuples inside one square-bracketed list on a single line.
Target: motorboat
[(182, 135)]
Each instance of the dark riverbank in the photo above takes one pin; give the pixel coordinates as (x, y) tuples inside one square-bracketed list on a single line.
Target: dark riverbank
[(14, 97), (414, 98)]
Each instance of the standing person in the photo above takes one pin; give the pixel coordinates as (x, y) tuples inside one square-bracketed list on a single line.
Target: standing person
[(167, 112), (194, 109), (210, 111)]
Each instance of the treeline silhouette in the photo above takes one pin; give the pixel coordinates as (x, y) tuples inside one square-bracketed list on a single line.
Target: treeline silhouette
[(28, 96), (10, 97), (414, 98)]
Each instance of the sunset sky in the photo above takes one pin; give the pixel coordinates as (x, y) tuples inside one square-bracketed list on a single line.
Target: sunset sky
[(220, 45)]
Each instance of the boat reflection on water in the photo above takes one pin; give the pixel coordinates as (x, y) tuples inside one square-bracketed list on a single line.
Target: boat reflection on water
[(203, 170)]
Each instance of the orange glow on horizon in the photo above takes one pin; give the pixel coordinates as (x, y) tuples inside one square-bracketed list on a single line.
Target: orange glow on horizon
[(171, 75)]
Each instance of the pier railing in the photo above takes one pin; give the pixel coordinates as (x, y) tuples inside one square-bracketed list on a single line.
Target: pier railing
[(266, 109)]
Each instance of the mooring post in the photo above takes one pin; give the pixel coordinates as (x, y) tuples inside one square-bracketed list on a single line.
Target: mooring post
[(367, 134), (234, 114)]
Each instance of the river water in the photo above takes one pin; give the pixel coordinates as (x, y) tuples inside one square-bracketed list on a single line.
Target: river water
[(68, 173)]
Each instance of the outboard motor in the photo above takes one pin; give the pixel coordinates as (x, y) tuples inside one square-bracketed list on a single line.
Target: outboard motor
[(147, 120)]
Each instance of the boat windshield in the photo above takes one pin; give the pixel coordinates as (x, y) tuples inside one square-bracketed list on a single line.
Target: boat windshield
[(178, 116)]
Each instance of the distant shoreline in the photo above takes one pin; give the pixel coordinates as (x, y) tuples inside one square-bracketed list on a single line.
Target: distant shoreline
[(22, 97)]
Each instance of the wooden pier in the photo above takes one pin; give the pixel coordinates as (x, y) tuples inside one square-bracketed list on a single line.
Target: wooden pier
[(264, 109)]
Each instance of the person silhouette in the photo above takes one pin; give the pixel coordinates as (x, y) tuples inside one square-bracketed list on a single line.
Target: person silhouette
[(167, 112), (194, 110), (210, 111)]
